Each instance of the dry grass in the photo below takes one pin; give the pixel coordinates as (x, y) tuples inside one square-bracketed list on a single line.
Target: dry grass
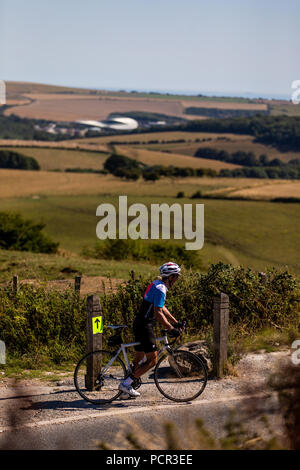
[(19, 88), (89, 284), (224, 105), (52, 159), (67, 104), (66, 144), (20, 183), (61, 107), (172, 135), (161, 158), (279, 188), (229, 142)]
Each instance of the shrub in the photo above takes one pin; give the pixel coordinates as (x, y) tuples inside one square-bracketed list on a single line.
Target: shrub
[(197, 195), (20, 234), (36, 319), (40, 320), (139, 250), (16, 161), (253, 304), (151, 174), (115, 162)]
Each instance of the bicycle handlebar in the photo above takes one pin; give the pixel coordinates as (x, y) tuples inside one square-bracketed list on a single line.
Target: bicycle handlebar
[(165, 332)]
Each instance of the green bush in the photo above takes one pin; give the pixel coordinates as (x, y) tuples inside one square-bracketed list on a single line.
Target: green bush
[(39, 321), (139, 250), (197, 195), (20, 234), (252, 303), (16, 161)]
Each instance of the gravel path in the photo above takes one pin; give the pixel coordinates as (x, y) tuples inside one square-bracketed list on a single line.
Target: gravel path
[(33, 402)]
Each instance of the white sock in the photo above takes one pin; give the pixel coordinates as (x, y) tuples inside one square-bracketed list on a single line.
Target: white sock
[(127, 381)]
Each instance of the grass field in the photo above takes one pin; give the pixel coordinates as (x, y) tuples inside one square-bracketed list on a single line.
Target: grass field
[(52, 159), (21, 183), (69, 104), (257, 234), (65, 265), (229, 142), (61, 107), (151, 157)]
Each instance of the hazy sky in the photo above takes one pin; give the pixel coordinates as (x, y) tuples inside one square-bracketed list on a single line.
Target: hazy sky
[(188, 45)]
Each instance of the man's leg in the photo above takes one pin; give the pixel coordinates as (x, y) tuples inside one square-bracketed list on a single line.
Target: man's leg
[(151, 361), (139, 355)]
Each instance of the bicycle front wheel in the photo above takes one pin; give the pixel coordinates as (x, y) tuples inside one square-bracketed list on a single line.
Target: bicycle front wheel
[(98, 375), (180, 376)]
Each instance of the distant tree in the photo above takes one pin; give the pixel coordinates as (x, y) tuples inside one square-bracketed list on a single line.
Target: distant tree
[(15, 161), (17, 233), (264, 160), (151, 175), (275, 162), (197, 195)]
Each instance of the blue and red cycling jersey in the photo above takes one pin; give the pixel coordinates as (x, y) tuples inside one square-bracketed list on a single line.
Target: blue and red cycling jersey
[(155, 296)]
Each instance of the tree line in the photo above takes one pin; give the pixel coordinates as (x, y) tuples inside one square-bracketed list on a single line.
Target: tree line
[(219, 113), (241, 158), (16, 161), (130, 169), (280, 131)]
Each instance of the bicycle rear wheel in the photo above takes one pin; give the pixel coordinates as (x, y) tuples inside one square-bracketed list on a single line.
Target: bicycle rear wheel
[(180, 376), (98, 375)]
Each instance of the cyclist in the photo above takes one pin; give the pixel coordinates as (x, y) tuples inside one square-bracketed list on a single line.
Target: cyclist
[(152, 309)]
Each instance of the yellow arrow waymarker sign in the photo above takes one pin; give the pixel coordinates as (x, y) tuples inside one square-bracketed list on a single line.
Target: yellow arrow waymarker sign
[(97, 325)]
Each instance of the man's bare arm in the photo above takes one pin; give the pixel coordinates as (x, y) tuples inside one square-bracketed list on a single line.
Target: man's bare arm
[(161, 317), (168, 315)]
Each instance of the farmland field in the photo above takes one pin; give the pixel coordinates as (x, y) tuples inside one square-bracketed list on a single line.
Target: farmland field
[(69, 104), (58, 103), (254, 232), (161, 158), (229, 142), (62, 107), (56, 158), (257, 234), (52, 159), (21, 183)]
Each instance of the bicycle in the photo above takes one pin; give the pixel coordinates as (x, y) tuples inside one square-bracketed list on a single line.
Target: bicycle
[(179, 375)]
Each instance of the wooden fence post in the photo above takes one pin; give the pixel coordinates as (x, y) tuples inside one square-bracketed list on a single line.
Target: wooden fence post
[(15, 284), (77, 284), (221, 319), (2, 352), (94, 330)]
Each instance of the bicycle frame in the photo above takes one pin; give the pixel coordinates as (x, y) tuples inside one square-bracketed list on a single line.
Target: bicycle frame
[(124, 346)]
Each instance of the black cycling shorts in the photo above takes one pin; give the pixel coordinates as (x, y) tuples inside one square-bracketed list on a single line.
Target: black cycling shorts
[(145, 335)]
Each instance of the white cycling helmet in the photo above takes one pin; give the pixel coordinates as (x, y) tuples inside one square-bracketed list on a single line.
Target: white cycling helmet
[(169, 268)]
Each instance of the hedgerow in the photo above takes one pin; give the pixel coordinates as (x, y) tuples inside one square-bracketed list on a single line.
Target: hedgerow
[(36, 318)]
